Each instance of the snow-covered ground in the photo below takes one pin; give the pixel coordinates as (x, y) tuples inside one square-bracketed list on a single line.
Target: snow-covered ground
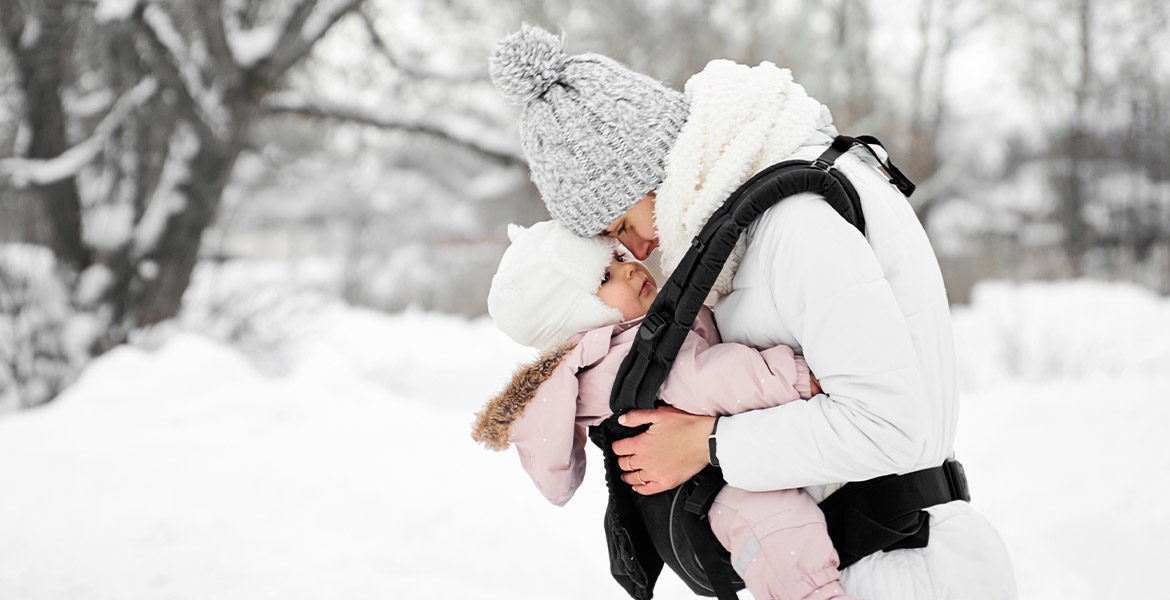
[(184, 471)]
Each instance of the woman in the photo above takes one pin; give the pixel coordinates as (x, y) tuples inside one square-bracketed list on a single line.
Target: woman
[(868, 312)]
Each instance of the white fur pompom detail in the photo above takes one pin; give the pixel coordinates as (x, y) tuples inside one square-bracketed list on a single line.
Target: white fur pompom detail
[(527, 63)]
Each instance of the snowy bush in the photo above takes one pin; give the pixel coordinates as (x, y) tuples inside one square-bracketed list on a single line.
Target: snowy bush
[(36, 361), (1071, 329), (261, 309)]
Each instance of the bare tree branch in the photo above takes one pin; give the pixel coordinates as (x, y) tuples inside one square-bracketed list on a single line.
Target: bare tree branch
[(210, 20), (305, 27), (484, 144), (24, 172), (251, 44), (12, 22), (170, 68), (918, 79), (380, 44)]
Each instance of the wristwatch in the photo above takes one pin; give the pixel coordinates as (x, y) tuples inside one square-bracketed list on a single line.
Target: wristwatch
[(711, 445)]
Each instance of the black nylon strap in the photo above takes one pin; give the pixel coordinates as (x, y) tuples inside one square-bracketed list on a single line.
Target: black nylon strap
[(658, 341), (707, 550), (673, 311), (887, 513), (899, 180), (709, 482)]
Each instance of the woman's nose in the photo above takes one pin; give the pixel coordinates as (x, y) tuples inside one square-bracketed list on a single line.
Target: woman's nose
[(636, 245)]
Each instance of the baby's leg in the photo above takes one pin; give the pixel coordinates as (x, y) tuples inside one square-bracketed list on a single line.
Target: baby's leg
[(778, 543)]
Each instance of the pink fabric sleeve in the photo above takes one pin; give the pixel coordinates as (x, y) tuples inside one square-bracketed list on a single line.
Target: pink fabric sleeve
[(803, 376), (550, 444), (712, 378)]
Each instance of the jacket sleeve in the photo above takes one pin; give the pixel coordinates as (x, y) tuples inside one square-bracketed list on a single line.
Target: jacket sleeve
[(713, 378), (550, 444), (871, 420)]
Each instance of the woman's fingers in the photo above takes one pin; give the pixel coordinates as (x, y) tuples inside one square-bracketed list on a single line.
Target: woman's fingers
[(634, 478), (637, 417), (671, 451), (639, 480)]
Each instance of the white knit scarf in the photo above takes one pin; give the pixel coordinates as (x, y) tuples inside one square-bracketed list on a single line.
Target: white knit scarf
[(741, 120)]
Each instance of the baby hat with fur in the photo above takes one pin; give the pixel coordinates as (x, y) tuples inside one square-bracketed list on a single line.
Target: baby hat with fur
[(545, 289), (596, 134)]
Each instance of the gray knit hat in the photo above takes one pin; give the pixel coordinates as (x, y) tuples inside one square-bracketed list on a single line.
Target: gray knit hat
[(596, 134)]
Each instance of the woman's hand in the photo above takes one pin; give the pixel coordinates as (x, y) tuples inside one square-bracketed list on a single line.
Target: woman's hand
[(672, 451)]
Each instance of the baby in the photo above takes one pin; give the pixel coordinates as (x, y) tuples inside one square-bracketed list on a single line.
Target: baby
[(580, 301)]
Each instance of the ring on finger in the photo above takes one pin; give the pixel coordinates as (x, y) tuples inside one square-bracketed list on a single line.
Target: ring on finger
[(640, 481)]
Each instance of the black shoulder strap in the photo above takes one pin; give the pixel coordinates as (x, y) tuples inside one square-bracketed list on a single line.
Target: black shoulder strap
[(899, 180), (673, 312)]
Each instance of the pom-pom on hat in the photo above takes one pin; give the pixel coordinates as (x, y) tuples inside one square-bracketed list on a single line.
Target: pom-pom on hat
[(527, 63), (545, 288), (596, 134)]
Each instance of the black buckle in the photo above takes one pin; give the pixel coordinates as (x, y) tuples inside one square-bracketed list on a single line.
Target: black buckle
[(901, 182), (698, 244), (821, 164), (651, 326), (956, 480)]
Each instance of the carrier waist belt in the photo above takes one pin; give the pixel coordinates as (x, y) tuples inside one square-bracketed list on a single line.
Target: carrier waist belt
[(888, 513)]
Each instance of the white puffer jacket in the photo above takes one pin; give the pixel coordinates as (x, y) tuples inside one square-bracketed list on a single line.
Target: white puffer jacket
[(870, 315)]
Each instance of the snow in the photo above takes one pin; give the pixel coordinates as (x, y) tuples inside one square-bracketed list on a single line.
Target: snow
[(35, 357), (1011, 330), (190, 60), (24, 172), (88, 104), (93, 283), (250, 46), (31, 34), (108, 226), (186, 471), (168, 199), (114, 10)]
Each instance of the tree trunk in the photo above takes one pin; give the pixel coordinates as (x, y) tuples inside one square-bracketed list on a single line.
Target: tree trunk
[(1072, 210), (41, 62)]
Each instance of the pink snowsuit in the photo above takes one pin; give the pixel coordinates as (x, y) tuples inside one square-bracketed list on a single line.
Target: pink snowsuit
[(777, 539)]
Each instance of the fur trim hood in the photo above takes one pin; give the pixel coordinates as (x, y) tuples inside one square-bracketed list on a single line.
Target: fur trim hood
[(494, 421), (742, 119), (545, 409), (541, 413)]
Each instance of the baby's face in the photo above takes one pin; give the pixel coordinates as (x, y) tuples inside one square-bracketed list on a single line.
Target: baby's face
[(628, 287)]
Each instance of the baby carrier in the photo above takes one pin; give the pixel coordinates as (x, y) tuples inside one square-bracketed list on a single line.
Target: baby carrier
[(645, 532)]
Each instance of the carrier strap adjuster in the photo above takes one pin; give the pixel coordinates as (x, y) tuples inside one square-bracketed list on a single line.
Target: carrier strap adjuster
[(652, 325), (956, 480)]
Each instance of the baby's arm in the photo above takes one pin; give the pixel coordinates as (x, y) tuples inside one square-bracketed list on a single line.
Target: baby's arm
[(536, 413), (710, 377)]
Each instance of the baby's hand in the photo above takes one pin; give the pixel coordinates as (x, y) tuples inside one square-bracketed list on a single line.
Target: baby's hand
[(813, 384)]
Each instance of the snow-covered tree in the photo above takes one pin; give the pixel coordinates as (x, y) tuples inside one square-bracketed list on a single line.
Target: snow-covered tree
[(1101, 96), (141, 137), (132, 115)]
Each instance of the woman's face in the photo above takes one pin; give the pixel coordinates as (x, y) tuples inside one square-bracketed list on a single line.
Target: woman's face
[(635, 229)]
